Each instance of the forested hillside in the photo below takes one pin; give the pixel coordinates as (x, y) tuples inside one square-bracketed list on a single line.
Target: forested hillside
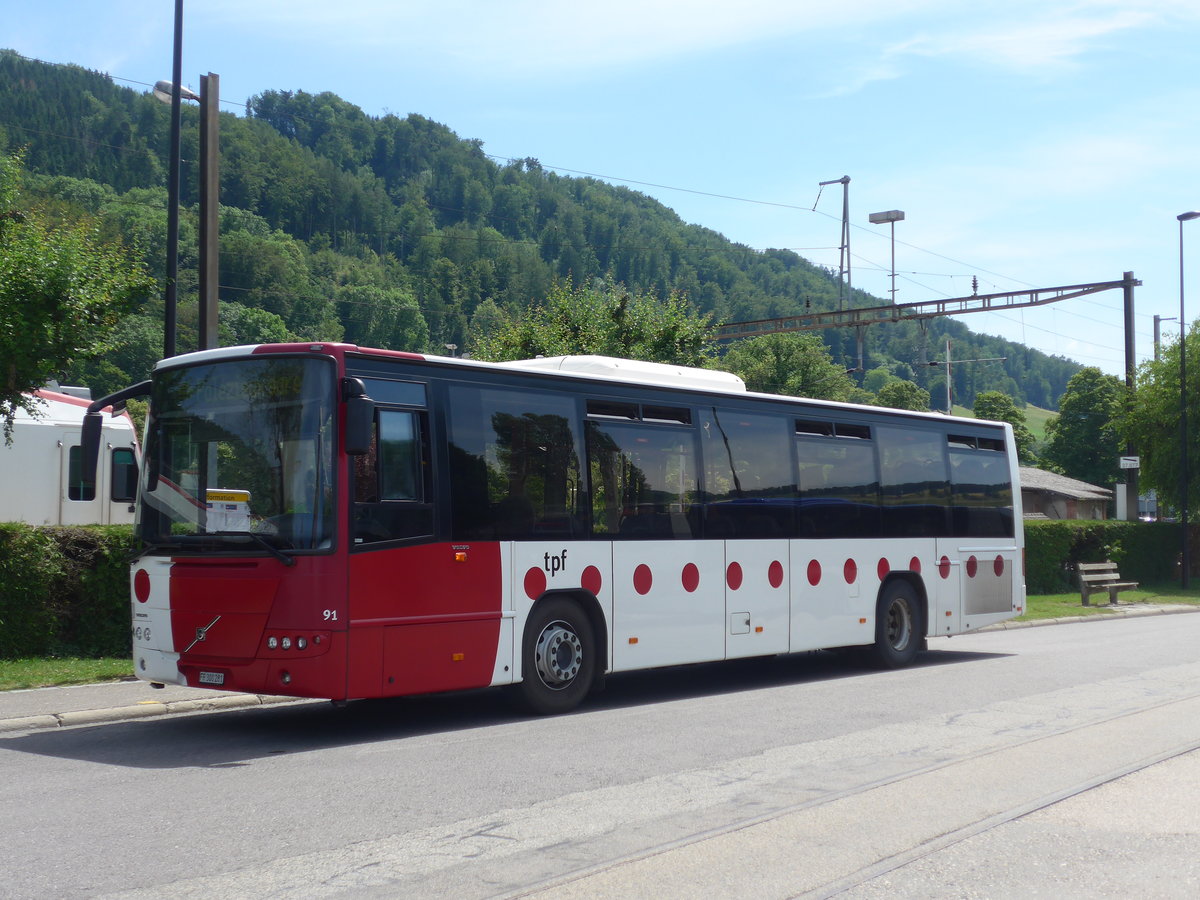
[(393, 231)]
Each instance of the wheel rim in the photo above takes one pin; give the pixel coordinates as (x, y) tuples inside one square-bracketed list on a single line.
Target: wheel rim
[(899, 624), (559, 655)]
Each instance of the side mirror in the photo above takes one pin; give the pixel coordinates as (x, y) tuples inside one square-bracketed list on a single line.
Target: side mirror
[(93, 423), (360, 417)]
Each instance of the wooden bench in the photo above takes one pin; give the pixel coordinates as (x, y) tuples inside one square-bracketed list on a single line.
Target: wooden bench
[(1095, 578)]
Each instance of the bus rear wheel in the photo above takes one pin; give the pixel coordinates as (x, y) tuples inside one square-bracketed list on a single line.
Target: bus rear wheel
[(558, 657), (899, 626)]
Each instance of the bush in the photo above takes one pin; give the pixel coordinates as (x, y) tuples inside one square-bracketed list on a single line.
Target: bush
[(64, 591), (1145, 552), (30, 568)]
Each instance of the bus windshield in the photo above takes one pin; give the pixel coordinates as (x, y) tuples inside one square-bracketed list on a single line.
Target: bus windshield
[(240, 447)]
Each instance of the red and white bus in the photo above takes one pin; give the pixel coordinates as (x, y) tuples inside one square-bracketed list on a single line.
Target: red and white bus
[(321, 520)]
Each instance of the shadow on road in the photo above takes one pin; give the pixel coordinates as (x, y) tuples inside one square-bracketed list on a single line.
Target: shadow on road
[(238, 737)]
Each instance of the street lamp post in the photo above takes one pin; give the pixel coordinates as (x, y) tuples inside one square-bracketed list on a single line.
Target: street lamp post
[(210, 186), (1184, 560), (892, 216)]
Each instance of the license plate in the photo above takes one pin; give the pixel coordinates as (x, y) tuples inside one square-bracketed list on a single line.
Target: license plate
[(212, 677)]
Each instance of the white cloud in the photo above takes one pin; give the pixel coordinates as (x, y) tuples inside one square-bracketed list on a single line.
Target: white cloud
[(1050, 40), (540, 35)]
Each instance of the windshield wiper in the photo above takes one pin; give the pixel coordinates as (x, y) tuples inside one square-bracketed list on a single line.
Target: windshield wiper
[(251, 537), (151, 546)]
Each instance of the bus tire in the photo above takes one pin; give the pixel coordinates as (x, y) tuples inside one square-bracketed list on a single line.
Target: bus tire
[(558, 657), (899, 626)]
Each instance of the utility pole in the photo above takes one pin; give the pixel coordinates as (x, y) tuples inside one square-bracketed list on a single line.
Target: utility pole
[(946, 363), (1158, 320), (844, 248)]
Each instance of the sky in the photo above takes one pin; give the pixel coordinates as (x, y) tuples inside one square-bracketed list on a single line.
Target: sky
[(1030, 143)]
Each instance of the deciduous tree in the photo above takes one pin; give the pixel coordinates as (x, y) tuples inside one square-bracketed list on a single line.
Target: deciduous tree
[(1083, 440), (1151, 422), (798, 365), (1001, 408), (606, 320), (900, 394), (62, 290)]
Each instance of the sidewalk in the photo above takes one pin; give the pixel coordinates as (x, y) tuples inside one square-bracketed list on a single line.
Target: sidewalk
[(113, 701), (91, 704)]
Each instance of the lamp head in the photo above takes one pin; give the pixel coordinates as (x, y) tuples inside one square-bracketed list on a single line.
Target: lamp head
[(164, 89), (1188, 216)]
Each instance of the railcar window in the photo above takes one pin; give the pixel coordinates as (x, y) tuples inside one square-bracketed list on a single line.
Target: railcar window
[(124, 475)]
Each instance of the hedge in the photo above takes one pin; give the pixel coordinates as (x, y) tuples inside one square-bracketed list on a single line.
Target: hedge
[(64, 591), (1145, 552)]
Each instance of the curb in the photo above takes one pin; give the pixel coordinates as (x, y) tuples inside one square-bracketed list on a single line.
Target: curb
[(1132, 612), (144, 709)]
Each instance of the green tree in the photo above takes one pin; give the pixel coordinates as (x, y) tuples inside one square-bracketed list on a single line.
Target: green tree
[(249, 325), (798, 365), (62, 291), (903, 395), (606, 320), (487, 319), (875, 379), (1002, 408), (1151, 422), (1083, 440)]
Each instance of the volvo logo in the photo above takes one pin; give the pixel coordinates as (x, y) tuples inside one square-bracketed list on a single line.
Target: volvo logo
[(201, 634)]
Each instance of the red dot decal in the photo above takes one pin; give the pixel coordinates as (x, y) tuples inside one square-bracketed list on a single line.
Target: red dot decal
[(141, 585), (914, 565), (690, 577), (998, 566), (733, 576), (972, 566), (882, 569), (944, 567), (592, 581), (814, 573), (850, 571), (775, 574), (642, 579), (535, 583)]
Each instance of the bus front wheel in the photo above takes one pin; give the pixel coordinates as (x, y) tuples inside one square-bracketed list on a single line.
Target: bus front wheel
[(558, 657), (898, 626)]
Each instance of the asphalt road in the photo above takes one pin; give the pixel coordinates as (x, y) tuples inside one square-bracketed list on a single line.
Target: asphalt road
[(1061, 760)]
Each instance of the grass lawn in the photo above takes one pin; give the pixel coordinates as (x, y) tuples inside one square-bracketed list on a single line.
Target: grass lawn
[(1054, 606), (31, 673)]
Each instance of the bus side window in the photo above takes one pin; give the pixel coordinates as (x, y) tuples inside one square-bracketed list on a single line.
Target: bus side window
[(514, 465), (644, 481), (391, 481), (124, 475), (914, 482), (749, 486)]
